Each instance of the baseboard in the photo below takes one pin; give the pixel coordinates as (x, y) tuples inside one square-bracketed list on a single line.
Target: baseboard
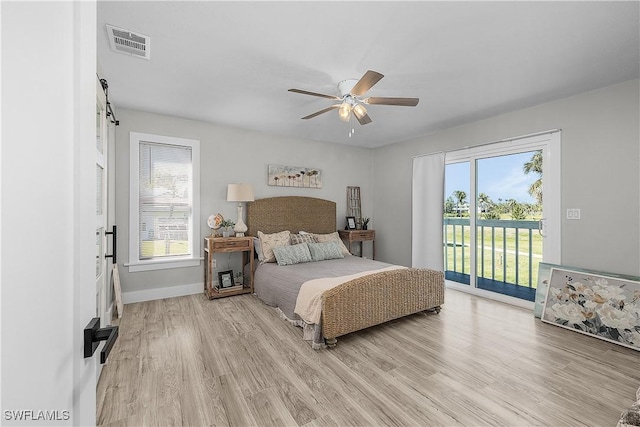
[(109, 315), (161, 293), (490, 295)]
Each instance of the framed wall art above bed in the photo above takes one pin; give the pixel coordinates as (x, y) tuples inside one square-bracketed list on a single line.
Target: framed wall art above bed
[(294, 176)]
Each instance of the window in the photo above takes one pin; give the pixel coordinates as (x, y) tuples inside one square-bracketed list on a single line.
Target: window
[(164, 202)]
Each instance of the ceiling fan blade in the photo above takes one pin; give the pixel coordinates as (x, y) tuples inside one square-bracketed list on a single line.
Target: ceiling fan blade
[(365, 83), (405, 102), (317, 113), (364, 119), (305, 92)]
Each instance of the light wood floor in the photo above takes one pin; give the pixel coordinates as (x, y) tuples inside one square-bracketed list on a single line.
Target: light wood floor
[(232, 361)]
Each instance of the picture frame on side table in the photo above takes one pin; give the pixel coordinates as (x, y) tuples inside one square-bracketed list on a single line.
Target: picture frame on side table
[(351, 223), (225, 279)]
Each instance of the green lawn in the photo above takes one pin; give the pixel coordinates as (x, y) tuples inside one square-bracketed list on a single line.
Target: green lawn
[(494, 267), (157, 248)]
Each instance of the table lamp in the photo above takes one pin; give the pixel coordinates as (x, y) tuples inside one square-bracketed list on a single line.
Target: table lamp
[(240, 193)]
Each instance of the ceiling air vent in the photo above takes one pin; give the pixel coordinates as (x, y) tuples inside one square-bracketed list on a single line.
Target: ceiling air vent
[(128, 42)]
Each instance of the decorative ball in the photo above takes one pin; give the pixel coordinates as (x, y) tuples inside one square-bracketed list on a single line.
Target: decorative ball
[(214, 221)]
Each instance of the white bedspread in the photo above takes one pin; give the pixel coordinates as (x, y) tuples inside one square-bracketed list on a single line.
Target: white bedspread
[(309, 301)]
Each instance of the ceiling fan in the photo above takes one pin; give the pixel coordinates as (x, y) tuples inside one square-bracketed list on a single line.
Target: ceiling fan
[(351, 100)]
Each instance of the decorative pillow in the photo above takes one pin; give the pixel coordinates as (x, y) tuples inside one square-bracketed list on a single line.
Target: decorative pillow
[(324, 251), (333, 237), (257, 247), (270, 241), (292, 254), (303, 238)]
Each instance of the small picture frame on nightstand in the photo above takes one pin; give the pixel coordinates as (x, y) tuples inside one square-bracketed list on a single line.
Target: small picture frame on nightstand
[(225, 279), (351, 223)]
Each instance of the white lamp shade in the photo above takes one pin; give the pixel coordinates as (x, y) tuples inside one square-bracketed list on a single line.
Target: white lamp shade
[(240, 193)]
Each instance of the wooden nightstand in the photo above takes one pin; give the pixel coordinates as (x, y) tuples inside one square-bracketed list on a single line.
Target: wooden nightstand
[(213, 245), (359, 236)]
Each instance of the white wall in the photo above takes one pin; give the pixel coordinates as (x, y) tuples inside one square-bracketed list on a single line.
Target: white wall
[(600, 163), (47, 174), (228, 156), (600, 175)]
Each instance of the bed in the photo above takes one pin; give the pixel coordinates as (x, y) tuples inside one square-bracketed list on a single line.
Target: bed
[(383, 293)]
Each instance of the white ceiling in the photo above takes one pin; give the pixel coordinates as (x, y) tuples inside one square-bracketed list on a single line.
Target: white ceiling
[(231, 63)]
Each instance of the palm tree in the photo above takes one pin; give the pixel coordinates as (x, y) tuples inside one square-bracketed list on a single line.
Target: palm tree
[(535, 165), (484, 201), (448, 205), (461, 196)]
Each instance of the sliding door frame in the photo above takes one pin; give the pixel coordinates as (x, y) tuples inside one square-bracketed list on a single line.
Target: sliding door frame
[(549, 142)]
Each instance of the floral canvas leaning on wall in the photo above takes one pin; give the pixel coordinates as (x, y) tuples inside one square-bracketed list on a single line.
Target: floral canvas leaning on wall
[(605, 307)]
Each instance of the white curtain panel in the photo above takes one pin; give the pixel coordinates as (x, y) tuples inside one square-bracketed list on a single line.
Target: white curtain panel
[(427, 210)]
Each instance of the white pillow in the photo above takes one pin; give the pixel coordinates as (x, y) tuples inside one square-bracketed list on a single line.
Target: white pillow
[(257, 247), (269, 241)]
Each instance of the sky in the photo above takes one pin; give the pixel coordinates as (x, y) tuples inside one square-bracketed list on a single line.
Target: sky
[(498, 177)]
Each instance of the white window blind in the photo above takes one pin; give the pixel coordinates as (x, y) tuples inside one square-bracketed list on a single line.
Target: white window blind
[(164, 202), (165, 208)]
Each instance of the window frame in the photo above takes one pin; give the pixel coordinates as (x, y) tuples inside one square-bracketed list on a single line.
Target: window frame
[(135, 263), (550, 144)]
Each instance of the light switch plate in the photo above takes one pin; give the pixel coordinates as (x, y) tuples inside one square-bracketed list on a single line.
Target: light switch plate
[(573, 213)]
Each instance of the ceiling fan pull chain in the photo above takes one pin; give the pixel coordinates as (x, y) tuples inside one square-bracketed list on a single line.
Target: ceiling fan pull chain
[(351, 126)]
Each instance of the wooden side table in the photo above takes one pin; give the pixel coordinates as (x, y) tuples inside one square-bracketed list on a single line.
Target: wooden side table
[(213, 245), (351, 236)]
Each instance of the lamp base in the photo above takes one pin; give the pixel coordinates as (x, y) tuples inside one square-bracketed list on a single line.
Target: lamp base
[(240, 227)]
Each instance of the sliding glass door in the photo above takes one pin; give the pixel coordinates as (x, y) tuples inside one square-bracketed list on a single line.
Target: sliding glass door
[(457, 230), (502, 214)]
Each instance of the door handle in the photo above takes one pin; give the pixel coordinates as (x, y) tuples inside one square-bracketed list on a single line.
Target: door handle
[(114, 233), (541, 226), (93, 334)]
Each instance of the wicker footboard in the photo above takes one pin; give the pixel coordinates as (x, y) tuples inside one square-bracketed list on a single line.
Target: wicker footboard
[(378, 298)]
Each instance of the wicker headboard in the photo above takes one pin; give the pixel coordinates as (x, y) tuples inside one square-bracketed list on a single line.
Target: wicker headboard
[(293, 213)]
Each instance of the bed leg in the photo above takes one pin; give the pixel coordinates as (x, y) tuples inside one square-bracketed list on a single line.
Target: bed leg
[(331, 342)]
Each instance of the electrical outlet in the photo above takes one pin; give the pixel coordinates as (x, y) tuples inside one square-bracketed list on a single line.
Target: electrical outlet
[(213, 264), (573, 213)]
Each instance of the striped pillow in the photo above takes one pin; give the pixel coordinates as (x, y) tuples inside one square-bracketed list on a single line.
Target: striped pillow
[(303, 238)]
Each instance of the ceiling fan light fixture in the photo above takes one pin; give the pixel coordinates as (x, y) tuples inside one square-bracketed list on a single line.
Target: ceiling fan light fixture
[(351, 98), (359, 111), (344, 110)]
